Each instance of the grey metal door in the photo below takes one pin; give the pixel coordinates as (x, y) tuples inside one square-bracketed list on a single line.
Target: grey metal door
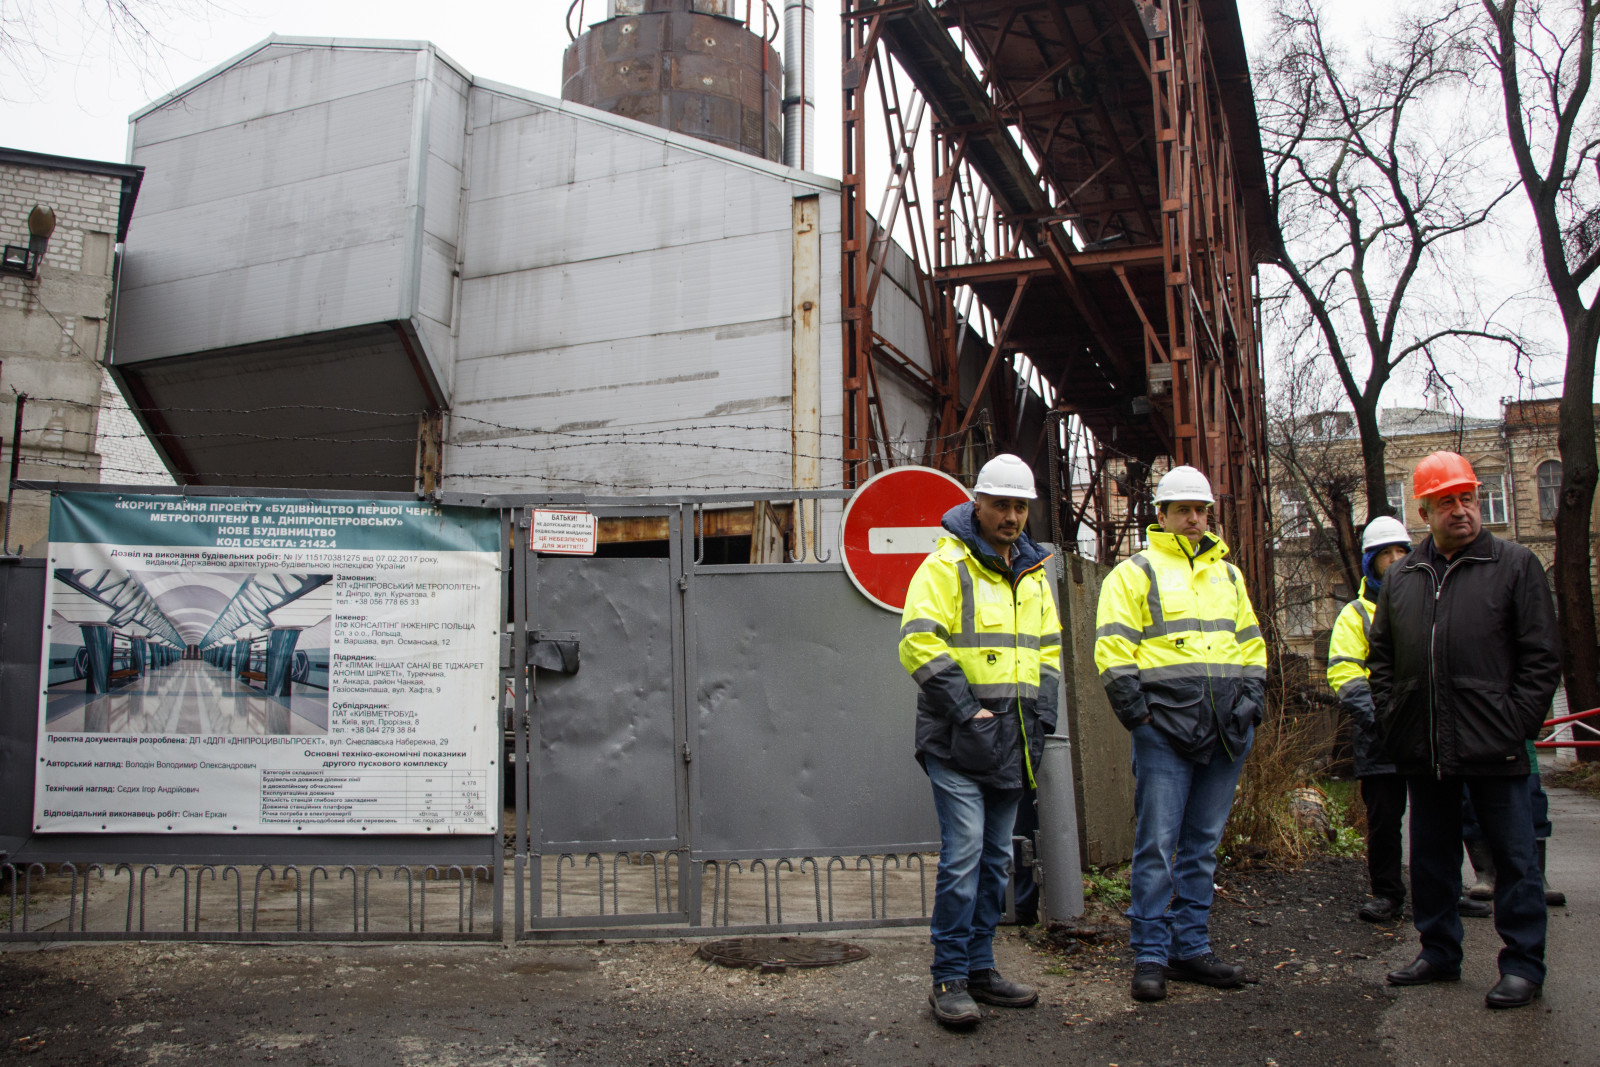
[(606, 798)]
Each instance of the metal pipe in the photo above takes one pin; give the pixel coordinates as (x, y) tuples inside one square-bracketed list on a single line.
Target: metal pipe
[(16, 459), (799, 84), (1061, 888)]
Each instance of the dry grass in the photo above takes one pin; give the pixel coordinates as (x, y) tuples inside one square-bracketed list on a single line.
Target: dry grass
[(1263, 826), (1584, 777)]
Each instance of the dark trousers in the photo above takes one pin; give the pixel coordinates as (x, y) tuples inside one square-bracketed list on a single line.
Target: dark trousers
[(1506, 820), (1385, 798), (1538, 802)]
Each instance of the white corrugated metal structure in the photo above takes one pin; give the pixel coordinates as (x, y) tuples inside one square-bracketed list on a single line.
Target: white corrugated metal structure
[(335, 236)]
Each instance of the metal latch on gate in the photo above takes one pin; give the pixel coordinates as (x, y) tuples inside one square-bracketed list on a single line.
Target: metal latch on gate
[(554, 650), (548, 650)]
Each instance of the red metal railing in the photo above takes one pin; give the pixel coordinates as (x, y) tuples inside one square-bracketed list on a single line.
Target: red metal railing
[(1573, 743)]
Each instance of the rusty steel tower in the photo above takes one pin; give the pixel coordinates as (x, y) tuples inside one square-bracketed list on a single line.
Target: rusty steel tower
[(1080, 184)]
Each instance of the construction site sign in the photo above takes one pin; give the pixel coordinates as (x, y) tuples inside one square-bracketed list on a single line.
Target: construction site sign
[(260, 665), (564, 533)]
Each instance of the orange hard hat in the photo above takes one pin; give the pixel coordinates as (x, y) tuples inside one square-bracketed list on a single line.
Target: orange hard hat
[(1442, 472)]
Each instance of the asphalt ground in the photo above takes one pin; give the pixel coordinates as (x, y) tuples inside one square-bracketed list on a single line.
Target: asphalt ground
[(1317, 996)]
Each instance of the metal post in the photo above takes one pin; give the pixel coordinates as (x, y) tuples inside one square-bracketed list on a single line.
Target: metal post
[(16, 461), (1056, 864)]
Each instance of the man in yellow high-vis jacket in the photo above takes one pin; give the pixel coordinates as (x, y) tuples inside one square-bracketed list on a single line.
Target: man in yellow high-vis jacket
[(1181, 657), (981, 637)]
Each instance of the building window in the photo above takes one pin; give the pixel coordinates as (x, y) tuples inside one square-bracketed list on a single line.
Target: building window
[(1395, 490), (1549, 489), (1492, 497), (1296, 520), (1297, 610)]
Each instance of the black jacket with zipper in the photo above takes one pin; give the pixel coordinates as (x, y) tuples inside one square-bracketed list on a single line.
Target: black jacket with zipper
[(1463, 665)]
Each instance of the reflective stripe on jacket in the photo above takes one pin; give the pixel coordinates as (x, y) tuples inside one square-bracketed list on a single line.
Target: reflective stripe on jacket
[(1347, 674), (1177, 641), (975, 637)]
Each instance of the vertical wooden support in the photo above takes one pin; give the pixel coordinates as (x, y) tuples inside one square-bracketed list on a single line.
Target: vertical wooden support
[(430, 452)]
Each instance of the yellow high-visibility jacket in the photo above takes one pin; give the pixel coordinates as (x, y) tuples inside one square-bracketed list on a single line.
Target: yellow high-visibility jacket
[(978, 635), (1177, 643), (1347, 674)]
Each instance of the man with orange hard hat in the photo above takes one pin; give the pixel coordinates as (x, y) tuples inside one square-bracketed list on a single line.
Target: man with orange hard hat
[(1464, 665)]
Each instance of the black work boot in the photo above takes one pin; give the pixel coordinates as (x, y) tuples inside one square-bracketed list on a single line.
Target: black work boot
[(1206, 970), (953, 1005), (1474, 909), (1381, 910), (1483, 866), (1149, 981), (1554, 898), (990, 988)]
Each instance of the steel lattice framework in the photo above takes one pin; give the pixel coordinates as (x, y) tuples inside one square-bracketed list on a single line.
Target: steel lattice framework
[(1090, 195)]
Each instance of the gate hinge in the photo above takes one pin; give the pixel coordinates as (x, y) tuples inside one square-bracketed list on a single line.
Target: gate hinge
[(687, 756), (683, 583)]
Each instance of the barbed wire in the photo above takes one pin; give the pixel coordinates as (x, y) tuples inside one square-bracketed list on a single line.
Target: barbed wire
[(928, 449)]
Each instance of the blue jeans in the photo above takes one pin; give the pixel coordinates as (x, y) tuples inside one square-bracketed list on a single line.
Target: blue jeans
[(1182, 807), (1505, 818), (969, 896)]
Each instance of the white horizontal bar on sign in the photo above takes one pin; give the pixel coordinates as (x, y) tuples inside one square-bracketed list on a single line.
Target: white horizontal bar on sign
[(903, 540)]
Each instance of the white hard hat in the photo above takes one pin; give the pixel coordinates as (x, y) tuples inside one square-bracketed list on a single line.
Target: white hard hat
[(1383, 531), (1183, 483), (1006, 475)]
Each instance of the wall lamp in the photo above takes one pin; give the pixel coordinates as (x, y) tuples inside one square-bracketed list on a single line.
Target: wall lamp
[(25, 259)]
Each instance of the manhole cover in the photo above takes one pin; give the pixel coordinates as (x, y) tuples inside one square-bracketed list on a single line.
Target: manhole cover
[(777, 954)]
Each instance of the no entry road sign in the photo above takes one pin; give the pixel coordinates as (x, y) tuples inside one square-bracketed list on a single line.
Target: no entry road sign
[(890, 525)]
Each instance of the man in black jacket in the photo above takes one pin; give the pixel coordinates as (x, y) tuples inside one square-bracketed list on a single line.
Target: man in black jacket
[(1464, 664)]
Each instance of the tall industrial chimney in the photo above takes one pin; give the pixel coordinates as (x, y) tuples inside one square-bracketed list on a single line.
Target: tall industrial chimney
[(690, 66)]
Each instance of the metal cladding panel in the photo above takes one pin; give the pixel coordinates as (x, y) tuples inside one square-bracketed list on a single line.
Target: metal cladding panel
[(438, 280), (277, 79), (318, 215), (275, 152), (810, 751), (723, 282), (606, 755), (681, 203), (447, 118), (521, 420), (441, 211), (533, 151), (265, 301)]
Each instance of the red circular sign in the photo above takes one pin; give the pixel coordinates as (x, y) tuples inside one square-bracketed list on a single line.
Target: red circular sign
[(890, 526)]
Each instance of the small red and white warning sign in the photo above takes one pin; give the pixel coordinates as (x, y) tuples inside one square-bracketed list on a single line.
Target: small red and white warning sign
[(564, 533), (891, 525)]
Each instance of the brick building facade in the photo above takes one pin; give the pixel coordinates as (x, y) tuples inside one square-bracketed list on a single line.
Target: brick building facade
[(55, 330)]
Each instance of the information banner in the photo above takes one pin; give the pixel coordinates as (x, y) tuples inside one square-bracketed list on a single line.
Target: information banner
[(262, 665)]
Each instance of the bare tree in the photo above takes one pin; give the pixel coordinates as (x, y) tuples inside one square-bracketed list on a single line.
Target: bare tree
[(1312, 446), (35, 34), (1378, 175), (1544, 53)]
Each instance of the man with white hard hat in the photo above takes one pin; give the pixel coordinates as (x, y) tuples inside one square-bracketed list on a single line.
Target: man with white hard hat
[(1181, 657), (1383, 791), (981, 638)]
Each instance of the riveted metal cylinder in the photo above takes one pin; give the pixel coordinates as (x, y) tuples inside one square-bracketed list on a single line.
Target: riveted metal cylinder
[(683, 65)]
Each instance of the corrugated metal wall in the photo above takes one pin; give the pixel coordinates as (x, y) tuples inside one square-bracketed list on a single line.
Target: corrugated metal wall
[(601, 305)]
